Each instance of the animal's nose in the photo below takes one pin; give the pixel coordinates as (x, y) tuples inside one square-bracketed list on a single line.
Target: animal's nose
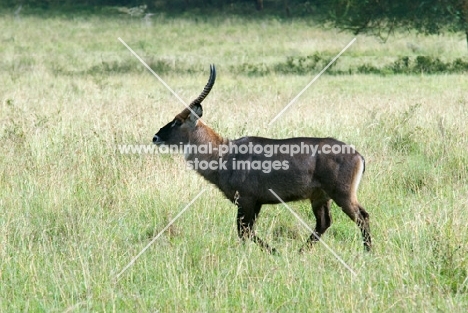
[(156, 139)]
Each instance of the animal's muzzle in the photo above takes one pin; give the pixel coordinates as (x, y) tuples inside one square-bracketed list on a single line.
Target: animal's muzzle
[(157, 140)]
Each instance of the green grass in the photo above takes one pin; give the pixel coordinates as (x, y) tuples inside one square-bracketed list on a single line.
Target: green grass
[(74, 211)]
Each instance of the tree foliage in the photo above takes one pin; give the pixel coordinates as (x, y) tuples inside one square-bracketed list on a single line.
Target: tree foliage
[(382, 17), (377, 17)]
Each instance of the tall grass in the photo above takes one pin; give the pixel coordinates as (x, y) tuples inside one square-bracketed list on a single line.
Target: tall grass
[(74, 211)]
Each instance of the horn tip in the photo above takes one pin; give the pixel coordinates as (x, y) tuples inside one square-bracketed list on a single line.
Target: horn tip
[(212, 70)]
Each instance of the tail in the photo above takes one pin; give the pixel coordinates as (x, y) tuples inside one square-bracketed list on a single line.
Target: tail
[(363, 164), (358, 172)]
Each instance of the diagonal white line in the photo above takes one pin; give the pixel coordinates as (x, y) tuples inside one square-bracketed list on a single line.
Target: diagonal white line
[(313, 233), (157, 76), (157, 236), (313, 80)]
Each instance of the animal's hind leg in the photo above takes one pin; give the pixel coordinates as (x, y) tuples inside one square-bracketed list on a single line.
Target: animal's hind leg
[(365, 228), (246, 216), (323, 219), (360, 216), (344, 195)]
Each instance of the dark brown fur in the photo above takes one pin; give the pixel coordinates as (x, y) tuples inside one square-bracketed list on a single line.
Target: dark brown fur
[(319, 178)]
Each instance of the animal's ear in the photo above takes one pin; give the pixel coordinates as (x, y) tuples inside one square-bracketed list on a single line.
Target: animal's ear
[(193, 118)]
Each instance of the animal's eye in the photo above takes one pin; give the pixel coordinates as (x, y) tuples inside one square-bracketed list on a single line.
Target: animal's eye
[(176, 123)]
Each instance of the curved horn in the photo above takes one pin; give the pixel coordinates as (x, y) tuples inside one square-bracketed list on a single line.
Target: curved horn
[(186, 112), (207, 88)]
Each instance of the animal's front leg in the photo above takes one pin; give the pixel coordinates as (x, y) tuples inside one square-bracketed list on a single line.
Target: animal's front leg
[(246, 216)]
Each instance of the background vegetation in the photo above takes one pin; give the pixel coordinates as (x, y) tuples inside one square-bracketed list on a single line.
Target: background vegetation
[(74, 211), (378, 17)]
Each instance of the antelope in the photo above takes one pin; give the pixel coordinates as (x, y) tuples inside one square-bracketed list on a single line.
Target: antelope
[(319, 177)]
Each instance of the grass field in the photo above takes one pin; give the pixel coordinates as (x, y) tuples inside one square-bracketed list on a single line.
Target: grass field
[(74, 211)]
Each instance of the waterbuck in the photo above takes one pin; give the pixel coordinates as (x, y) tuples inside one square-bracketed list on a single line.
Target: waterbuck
[(248, 169)]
